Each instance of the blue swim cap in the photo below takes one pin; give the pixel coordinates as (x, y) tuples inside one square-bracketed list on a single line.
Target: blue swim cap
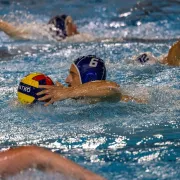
[(59, 23), (90, 68)]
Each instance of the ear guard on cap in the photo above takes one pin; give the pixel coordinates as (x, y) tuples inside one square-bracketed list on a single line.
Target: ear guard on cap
[(90, 68), (91, 76)]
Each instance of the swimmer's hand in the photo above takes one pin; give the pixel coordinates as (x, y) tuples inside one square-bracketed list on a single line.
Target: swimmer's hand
[(95, 90), (54, 93)]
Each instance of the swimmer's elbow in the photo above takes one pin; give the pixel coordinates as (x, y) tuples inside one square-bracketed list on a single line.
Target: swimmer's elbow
[(114, 87), (114, 93)]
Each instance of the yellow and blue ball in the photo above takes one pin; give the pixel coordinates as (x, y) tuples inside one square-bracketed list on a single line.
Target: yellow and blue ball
[(28, 87)]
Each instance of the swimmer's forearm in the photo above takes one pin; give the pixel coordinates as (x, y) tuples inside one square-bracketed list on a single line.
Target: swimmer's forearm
[(57, 163), (11, 30), (15, 160), (173, 56), (96, 89)]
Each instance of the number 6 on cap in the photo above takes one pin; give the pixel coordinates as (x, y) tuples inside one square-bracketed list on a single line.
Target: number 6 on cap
[(93, 62)]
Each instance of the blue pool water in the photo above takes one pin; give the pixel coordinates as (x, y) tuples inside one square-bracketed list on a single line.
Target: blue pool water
[(116, 140)]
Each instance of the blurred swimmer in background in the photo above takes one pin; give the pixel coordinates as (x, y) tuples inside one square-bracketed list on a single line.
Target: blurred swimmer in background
[(15, 160), (171, 59), (86, 80), (59, 28)]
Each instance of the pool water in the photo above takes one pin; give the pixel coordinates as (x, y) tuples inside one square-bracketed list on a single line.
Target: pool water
[(116, 140)]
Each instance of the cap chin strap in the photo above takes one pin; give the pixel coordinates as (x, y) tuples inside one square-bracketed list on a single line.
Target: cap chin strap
[(78, 72)]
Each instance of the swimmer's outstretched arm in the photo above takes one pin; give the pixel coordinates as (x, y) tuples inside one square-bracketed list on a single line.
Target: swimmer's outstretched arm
[(15, 160), (95, 90), (12, 31), (173, 57), (91, 90)]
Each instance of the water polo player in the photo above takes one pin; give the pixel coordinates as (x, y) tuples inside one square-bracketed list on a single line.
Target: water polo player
[(86, 69), (63, 26), (59, 27), (86, 79), (172, 58)]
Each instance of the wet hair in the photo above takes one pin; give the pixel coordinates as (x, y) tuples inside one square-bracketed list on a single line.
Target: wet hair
[(59, 24), (90, 68)]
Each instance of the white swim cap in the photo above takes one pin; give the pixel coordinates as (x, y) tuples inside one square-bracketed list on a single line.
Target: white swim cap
[(146, 58)]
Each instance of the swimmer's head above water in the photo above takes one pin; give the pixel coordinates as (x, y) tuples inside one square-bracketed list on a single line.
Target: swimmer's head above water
[(63, 26), (145, 59), (86, 69), (171, 59), (60, 27), (86, 80)]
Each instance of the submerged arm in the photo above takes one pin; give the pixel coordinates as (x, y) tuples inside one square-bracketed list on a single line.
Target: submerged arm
[(15, 160), (127, 98), (11, 30)]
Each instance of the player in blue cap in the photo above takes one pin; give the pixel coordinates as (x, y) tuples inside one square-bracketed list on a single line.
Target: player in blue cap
[(90, 68), (60, 27), (86, 79)]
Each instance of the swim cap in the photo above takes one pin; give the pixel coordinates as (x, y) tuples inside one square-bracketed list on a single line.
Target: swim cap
[(90, 68), (146, 58), (60, 26)]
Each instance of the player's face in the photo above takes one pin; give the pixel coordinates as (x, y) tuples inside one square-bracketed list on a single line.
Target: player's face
[(73, 78), (71, 28)]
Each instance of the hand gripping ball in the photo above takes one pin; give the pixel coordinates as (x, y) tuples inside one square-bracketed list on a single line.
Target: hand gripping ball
[(28, 87)]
